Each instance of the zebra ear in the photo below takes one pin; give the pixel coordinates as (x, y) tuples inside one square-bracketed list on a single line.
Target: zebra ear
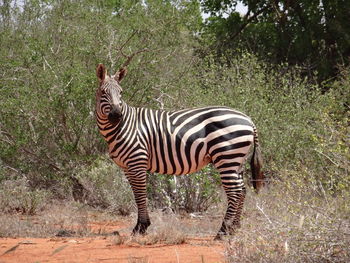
[(120, 74), (101, 72)]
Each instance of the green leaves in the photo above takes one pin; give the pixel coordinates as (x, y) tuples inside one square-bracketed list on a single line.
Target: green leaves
[(50, 50), (301, 32), (48, 59)]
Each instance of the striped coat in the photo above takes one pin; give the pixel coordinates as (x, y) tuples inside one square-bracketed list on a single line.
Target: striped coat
[(176, 142)]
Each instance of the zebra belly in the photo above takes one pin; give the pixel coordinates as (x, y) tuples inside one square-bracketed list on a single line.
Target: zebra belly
[(118, 162), (204, 162), (201, 164)]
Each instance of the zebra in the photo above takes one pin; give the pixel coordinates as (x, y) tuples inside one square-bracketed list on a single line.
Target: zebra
[(142, 140)]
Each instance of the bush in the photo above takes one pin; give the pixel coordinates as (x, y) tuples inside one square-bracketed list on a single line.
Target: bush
[(17, 197), (105, 185), (300, 126), (50, 51), (47, 126), (189, 193)]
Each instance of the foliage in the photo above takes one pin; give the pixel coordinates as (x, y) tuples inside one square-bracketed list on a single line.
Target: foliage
[(291, 114), (49, 53), (47, 127), (105, 186), (311, 33), (193, 193)]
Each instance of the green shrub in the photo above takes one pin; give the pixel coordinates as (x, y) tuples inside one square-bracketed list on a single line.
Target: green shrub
[(50, 51), (190, 193), (300, 126), (47, 127)]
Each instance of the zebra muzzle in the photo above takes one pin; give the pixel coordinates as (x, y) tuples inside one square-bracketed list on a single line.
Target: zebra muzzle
[(115, 115)]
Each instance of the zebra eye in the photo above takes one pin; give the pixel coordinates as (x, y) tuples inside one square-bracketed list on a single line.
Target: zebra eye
[(106, 109), (102, 92)]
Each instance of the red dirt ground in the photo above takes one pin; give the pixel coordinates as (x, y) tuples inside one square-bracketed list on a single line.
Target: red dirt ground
[(105, 249)]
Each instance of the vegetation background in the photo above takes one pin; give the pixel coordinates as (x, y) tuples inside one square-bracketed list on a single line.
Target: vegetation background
[(284, 63)]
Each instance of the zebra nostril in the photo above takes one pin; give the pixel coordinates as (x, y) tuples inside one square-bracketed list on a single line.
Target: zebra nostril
[(114, 116)]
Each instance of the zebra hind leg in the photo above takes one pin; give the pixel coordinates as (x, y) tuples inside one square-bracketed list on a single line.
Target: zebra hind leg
[(235, 191)]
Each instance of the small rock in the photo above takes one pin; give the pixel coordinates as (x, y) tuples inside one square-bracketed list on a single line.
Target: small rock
[(65, 233)]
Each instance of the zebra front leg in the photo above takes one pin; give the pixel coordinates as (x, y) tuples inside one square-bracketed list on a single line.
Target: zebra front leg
[(137, 181), (235, 191)]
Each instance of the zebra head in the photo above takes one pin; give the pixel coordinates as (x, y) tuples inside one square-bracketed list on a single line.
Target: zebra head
[(108, 95)]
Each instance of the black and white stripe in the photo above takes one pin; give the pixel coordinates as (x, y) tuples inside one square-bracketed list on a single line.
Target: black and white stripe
[(177, 142)]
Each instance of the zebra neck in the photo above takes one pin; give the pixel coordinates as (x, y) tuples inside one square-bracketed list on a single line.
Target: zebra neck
[(108, 129)]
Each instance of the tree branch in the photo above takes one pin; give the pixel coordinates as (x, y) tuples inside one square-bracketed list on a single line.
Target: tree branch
[(129, 58), (248, 20)]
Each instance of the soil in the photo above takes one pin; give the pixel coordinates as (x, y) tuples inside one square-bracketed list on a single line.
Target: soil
[(102, 248)]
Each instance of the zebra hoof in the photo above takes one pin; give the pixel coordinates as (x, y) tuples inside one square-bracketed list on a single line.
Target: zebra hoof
[(227, 229), (140, 228), (227, 232), (219, 236)]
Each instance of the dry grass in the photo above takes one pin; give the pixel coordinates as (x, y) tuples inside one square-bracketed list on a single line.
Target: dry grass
[(17, 197), (168, 229), (171, 229), (165, 229), (284, 223), (164, 235), (292, 224), (73, 219), (57, 219)]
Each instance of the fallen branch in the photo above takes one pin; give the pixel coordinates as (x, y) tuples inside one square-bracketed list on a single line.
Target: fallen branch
[(262, 211)]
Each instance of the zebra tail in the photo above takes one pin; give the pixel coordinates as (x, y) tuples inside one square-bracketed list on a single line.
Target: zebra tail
[(256, 164)]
